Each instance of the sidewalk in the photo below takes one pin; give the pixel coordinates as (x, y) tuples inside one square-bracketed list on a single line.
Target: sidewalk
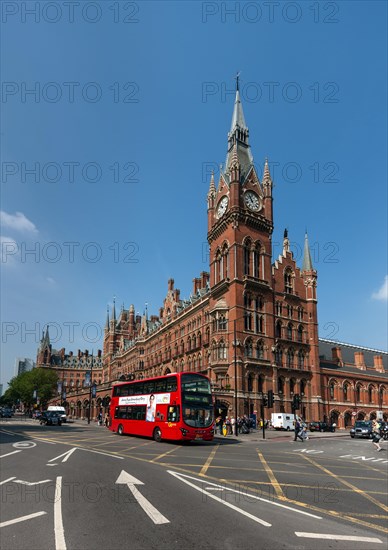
[(281, 435)]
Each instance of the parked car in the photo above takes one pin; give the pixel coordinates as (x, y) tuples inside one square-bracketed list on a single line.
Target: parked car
[(6, 413), (50, 418), (362, 428), (321, 427)]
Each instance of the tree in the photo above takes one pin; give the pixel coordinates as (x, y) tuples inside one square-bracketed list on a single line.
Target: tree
[(22, 387)]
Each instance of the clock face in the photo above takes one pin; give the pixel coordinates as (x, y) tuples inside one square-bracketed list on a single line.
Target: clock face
[(222, 206), (252, 201)]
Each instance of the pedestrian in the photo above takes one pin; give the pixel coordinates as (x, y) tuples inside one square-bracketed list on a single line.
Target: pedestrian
[(376, 434), (99, 418), (232, 425), (298, 430), (106, 420)]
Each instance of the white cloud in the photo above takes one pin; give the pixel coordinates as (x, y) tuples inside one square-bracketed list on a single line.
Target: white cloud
[(50, 281), (382, 293), (17, 221)]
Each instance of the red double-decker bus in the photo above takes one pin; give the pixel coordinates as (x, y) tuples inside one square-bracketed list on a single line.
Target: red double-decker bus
[(177, 406)]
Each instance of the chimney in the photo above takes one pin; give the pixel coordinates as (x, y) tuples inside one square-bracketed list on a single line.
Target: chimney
[(99, 353), (336, 355), (378, 363), (204, 279), (171, 284), (359, 360), (197, 285)]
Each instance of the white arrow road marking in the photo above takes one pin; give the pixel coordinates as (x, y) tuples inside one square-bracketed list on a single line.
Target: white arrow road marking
[(30, 483), (180, 476), (228, 504), (8, 454), (338, 537), (23, 518), (64, 455), (151, 511), (60, 543)]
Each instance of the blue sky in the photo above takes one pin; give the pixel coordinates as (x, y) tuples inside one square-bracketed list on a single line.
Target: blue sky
[(131, 107)]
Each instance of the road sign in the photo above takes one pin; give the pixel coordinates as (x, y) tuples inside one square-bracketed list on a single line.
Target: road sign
[(354, 413)]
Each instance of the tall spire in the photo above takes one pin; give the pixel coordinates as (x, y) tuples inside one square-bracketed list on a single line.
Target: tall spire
[(212, 187), (238, 119), (238, 136), (107, 318), (307, 262), (114, 309)]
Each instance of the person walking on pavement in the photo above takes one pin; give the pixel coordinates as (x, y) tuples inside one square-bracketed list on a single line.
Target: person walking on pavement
[(297, 430), (376, 435)]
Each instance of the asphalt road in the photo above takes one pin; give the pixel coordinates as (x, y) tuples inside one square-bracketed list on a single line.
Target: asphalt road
[(83, 487)]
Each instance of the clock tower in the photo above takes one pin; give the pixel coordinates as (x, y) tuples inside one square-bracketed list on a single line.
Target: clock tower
[(240, 213), (239, 235)]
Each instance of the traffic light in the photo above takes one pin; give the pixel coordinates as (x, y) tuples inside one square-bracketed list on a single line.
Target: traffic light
[(265, 400), (270, 399), (296, 401)]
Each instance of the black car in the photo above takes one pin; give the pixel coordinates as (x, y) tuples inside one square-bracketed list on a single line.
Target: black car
[(50, 418), (321, 427), (6, 413), (362, 428)]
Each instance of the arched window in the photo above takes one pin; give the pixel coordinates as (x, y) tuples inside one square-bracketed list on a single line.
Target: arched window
[(256, 262), (292, 386), (280, 385), (278, 309), (290, 359), (222, 350), (331, 390), (248, 348), (260, 350), (370, 394), (248, 321), (259, 322), (278, 357), (302, 387), (225, 262), (260, 383), (250, 382), (289, 331), (358, 392), (222, 322), (288, 281), (247, 300), (345, 390), (300, 333), (301, 360), (247, 258), (219, 275), (278, 329)]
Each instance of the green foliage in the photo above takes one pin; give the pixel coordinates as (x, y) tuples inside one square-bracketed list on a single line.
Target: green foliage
[(22, 387)]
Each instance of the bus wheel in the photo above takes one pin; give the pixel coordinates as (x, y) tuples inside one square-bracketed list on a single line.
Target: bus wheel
[(120, 430), (157, 435)]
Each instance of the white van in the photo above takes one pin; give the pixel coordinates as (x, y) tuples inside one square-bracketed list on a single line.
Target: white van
[(61, 410), (283, 421)]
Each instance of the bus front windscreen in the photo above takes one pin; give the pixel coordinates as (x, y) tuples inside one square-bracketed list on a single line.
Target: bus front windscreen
[(197, 402)]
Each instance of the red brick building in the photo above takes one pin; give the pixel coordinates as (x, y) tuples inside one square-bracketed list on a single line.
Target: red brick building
[(251, 325), (269, 311)]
